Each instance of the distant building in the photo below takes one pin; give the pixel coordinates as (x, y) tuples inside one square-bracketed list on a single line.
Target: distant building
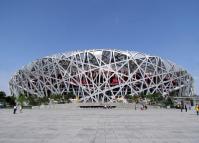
[(101, 75)]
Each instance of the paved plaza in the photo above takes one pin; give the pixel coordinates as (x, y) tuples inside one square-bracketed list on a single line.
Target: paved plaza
[(120, 125)]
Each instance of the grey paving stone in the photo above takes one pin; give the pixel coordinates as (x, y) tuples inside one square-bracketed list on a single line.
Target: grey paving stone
[(74, 125)]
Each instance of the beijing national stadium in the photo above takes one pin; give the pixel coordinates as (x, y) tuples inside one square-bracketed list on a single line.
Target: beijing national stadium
[(101, 75)]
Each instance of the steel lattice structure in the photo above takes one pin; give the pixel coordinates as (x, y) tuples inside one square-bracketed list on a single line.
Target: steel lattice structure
[(101, 75)]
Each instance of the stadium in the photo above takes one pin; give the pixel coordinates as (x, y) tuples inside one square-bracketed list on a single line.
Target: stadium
[(101, 75)]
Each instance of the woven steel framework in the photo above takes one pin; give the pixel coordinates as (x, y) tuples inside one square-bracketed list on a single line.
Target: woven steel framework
[(101, 76)]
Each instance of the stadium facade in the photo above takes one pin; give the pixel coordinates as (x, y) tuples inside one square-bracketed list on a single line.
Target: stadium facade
[(101, 75)]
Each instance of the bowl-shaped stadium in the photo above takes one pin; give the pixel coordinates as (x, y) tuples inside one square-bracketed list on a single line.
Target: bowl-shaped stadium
[(101, 75)]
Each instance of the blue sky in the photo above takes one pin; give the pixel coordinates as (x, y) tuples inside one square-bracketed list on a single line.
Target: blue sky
[(31, 29)]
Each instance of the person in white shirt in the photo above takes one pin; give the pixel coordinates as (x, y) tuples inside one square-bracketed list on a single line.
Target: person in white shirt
[(15, 109)]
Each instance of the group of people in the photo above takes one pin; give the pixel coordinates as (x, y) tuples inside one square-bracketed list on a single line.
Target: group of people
[(143, 107), (183, 107), (16, 107)]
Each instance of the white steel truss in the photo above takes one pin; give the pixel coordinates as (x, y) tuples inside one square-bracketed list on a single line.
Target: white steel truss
[(101, 75)]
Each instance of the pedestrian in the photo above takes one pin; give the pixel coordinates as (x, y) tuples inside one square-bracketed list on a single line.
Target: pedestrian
[(189, 107), (185, 107), (197, 109), (145, 107), (181, 107), (142, 107), (105, 107), (15, 109)]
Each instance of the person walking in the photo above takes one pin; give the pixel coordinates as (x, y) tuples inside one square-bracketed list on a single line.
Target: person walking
[(181, 107), (15, 109), (197, 109), (185, 107)]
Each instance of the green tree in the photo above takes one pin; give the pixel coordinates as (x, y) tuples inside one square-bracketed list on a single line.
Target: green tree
[(10, 100), (142, 95), (129, 98), (168, 102), (173, 93), (69, 96), (155, 98), (43, 100), (56, 97), (2, 95), (7, 100), (136, 98), (33, 100), (21, 99)]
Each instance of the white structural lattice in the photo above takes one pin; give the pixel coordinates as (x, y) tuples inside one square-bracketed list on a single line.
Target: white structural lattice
[(101, 75)]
